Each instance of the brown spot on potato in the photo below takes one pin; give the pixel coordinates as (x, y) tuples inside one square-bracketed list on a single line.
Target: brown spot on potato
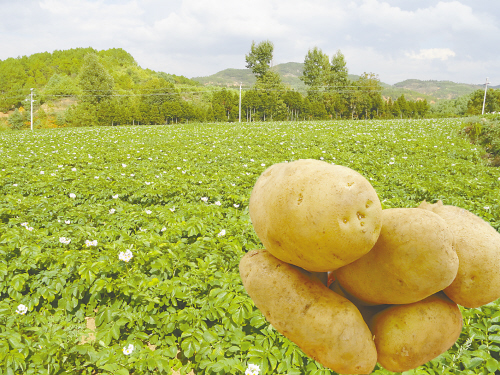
[(368, 203), (299, 201), (306, 308)]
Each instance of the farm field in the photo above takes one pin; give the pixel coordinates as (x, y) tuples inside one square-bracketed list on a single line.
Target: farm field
[(123, 243)]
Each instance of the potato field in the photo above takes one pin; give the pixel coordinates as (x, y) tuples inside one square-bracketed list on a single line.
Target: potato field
[(119, 246)]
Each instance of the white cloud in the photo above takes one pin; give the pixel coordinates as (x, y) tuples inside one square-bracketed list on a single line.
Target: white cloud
[(432, 54), (429, 38)]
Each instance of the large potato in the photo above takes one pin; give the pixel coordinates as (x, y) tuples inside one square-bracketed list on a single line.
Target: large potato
[(315, 215), (477, 245), (366, 310), (407, 336), (412, 259), (326, 326)]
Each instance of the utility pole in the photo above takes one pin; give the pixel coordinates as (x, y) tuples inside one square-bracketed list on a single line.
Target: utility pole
[(485, 89), (239, 116), (31, 105)]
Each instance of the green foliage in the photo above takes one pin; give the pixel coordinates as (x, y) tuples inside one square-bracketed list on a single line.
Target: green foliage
[(177, 198), (485, 131), (16, 120), (477, 98), (259, 58), (96, 83), (60, 85), (316, 69)]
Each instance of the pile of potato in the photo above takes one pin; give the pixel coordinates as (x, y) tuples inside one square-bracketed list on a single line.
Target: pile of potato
[(399, 273)]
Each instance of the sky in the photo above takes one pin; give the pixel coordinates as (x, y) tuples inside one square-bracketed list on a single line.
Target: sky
[(456, 40)]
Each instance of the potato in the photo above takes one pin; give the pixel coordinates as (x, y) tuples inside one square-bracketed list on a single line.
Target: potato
[(326, 326), (477, 245), (407, 336), (412, 259), (367, 310), (315, 215)]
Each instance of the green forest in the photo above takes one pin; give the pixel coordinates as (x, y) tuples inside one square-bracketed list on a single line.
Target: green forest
[(87, 87)]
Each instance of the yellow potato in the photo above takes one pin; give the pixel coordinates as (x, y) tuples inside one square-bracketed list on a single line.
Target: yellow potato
[(315, 215), (412, 259), (477, 245), (407, 336), (367, 310), (327, 327)]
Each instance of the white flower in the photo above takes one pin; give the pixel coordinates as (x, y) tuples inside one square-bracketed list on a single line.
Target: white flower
[(222, 233), (205, 199), (96, 177), (91, 243), (14, 184), (148, 183), (73, 169), (217, 203), (163, 229), (486, 207), (252, 370), (21, 309), (172, 209), (124, 165), (29, 228), (125, 256), (24, 225), (72, 195), (64, 240), (115, 196), (236, 205), (149, 212), (127, 350), (112, 211), (67, 221), (262, 165), (42, 172)]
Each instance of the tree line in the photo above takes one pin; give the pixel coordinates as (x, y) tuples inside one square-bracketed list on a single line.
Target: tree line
[(109, 88)]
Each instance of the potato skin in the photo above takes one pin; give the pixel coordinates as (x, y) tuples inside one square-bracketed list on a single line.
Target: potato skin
[(408, 336), (326, 326), (477, 245), (315, 215), (412, 259)]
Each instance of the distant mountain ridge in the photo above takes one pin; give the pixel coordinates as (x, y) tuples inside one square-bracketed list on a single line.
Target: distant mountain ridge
[(413, 89)]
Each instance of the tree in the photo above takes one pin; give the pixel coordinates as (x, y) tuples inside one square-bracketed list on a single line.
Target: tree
[(259, 58), (269, 88), (95, 81), (16, 120), (475, 104), (338, 76), (316, 71)]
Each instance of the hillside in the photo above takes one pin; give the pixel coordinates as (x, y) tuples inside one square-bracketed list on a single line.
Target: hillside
[(438, 89), (290, 72), (54, 75)]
